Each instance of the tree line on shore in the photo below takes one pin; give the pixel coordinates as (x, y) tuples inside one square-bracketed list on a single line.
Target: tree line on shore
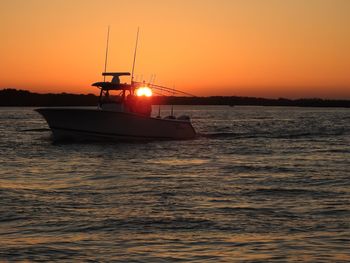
[(13, 97)]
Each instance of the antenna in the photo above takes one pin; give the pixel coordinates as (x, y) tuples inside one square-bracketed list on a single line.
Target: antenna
[(133, 64), (104, 77)]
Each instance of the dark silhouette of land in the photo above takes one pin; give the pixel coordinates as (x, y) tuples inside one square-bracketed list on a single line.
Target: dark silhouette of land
[(13, 97)]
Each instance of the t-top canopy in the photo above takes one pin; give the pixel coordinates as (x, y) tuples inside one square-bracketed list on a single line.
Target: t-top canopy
[(112, 86)]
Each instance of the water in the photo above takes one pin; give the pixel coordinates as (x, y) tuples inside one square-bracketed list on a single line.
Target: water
[(258, 184)]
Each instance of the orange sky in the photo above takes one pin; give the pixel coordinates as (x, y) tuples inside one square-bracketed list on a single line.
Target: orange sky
[(270, 48)]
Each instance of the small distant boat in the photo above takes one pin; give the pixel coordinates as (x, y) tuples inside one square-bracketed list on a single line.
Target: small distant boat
[(124, 115)]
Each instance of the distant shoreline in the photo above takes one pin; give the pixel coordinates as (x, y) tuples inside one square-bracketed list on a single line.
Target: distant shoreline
[(23, 98)]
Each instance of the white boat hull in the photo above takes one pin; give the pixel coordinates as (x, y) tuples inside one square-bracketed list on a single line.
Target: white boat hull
[(81, 124)]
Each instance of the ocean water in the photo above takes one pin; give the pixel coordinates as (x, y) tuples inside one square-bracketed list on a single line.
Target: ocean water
[(258, 184)]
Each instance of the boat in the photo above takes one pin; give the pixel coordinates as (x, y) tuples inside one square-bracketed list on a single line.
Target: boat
[(123, 113), (126, 115)]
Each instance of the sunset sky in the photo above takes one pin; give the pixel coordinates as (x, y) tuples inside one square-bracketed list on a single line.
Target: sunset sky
[(268, 48)]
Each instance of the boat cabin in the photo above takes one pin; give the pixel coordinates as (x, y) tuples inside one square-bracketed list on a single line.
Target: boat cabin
[(123, 97)]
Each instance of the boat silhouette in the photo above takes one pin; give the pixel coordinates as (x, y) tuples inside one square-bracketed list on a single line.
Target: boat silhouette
[(123, 113)]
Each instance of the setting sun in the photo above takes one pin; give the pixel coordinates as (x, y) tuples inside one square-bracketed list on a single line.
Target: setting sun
[(144, 91)]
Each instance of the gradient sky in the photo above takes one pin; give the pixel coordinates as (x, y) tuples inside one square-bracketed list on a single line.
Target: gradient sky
[(269, 48)]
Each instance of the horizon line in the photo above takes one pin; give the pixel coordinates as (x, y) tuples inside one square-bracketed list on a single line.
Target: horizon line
[(227, 96)]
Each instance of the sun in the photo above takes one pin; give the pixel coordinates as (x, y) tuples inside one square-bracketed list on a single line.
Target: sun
[(144, 91)]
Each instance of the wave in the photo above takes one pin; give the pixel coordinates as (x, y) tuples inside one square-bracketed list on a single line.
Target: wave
[(218, 135), (291, 192), (142, 223)]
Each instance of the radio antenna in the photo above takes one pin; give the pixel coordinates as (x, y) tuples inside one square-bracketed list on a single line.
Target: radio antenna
[(104, 77), (133, 64)]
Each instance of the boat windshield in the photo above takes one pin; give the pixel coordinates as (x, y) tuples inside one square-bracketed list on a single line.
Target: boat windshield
[(112, 96)]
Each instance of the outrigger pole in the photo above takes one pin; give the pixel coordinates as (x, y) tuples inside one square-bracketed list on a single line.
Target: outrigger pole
[(133, 64), (104, 77), (169, 90)]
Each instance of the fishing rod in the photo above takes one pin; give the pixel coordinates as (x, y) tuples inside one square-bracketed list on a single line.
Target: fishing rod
[(172, 90), (163, 88)]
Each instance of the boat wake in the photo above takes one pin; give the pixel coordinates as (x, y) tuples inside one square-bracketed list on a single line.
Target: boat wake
[(218, 135)]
